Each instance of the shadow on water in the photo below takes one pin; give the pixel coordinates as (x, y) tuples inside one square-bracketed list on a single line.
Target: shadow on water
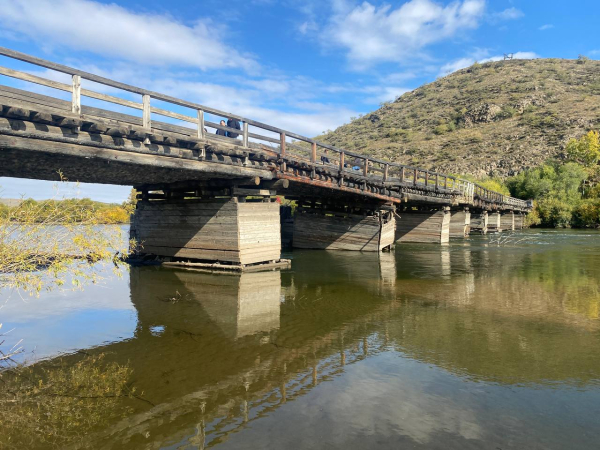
[(442, 335)]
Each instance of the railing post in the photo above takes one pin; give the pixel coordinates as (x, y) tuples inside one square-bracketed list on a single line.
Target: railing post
[(282, 150), (437, 181), (366, 168), (313, 153), (146, 113), (416, 177), (245, 134), (282, 144), (342, 163), (426, 179), (201, 132), (385, 172), (76, 95), (445, 182), (402, 175)]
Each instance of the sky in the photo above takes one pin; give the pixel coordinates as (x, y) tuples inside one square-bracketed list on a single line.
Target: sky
[(303, 65)]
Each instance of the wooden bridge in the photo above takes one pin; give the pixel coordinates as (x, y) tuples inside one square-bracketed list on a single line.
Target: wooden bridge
[(210, 198)]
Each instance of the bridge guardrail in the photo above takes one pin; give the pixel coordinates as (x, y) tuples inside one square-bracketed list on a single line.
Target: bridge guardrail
[(345, 161)]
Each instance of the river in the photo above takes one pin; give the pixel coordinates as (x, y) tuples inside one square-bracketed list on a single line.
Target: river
[(473, 345)]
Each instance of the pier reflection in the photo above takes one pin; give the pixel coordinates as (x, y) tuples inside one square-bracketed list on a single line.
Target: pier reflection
[(239, 304)]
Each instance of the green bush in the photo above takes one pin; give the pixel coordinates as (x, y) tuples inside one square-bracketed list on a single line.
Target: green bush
[(587, 213), (441, 129), (556, 189), (507, 112)]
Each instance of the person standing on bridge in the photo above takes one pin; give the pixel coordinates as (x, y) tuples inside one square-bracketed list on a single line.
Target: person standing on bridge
[(233, 123), (324, 158), (222, 132)]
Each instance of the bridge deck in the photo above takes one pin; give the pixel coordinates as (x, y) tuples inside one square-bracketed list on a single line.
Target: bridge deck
[(40, 134)]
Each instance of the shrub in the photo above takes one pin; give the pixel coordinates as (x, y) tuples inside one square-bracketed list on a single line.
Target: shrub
[(555, 212), (587, 213), (441, 129), (507, 112)]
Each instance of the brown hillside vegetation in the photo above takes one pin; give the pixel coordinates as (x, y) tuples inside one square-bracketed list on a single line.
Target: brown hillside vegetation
[(496, 119)]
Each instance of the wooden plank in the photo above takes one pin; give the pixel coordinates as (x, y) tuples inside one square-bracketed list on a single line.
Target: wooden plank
[(35, 79), (173, 115), (111, 99)]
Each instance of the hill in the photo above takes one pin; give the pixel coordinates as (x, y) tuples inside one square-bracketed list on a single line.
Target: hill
[(496, 119)]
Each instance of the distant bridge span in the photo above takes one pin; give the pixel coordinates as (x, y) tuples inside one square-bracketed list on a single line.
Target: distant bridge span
[(168, 162)]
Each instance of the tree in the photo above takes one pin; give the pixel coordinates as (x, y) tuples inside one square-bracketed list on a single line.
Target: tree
[(555, 188), (49, 244), (585, 150)]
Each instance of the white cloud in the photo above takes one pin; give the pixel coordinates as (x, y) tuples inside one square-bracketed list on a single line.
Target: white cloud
[(455, 65), (308, 26), (384, 93), (462, 63), (546, 27), (509, 14), (372, 34), (116, 32)]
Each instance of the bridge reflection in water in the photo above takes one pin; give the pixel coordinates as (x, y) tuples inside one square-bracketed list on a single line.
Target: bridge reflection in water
[(222, 355)]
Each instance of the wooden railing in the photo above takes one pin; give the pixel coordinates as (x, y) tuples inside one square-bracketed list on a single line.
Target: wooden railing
[(308, 149)]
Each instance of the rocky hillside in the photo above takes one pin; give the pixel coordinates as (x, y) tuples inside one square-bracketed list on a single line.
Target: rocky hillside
[(496, 118)]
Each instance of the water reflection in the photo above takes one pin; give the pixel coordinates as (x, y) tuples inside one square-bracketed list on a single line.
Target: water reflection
[(469, 345), (239, 304)]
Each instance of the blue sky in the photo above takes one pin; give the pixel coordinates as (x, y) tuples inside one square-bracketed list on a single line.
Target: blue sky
[(307, 66)]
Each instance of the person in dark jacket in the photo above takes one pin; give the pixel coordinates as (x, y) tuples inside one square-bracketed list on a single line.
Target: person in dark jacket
[(233, 123), (222, 132), (324, 158)]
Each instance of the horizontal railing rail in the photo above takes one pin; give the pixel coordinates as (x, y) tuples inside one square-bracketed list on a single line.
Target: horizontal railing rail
[(308, 150)]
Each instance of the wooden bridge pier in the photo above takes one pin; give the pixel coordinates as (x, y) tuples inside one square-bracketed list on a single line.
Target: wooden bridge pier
[(494, 222), (343, 227), (519, 220), (507, 221), (424, 226), (460, 223), (479, 222), (231, 227)]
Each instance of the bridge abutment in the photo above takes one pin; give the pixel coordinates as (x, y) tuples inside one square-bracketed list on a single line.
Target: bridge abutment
[(318, 228), (424, 226), (217, 230), (460, 223), (479, 222)]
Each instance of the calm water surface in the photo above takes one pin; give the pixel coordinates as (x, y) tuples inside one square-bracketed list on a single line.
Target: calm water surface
[(466, 346)]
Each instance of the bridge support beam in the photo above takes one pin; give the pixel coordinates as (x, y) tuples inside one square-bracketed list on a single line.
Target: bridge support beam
[(507, 221), (460, 223), (479, 222), (424, 226), (320, 229), (494, 225), (222, 230)]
